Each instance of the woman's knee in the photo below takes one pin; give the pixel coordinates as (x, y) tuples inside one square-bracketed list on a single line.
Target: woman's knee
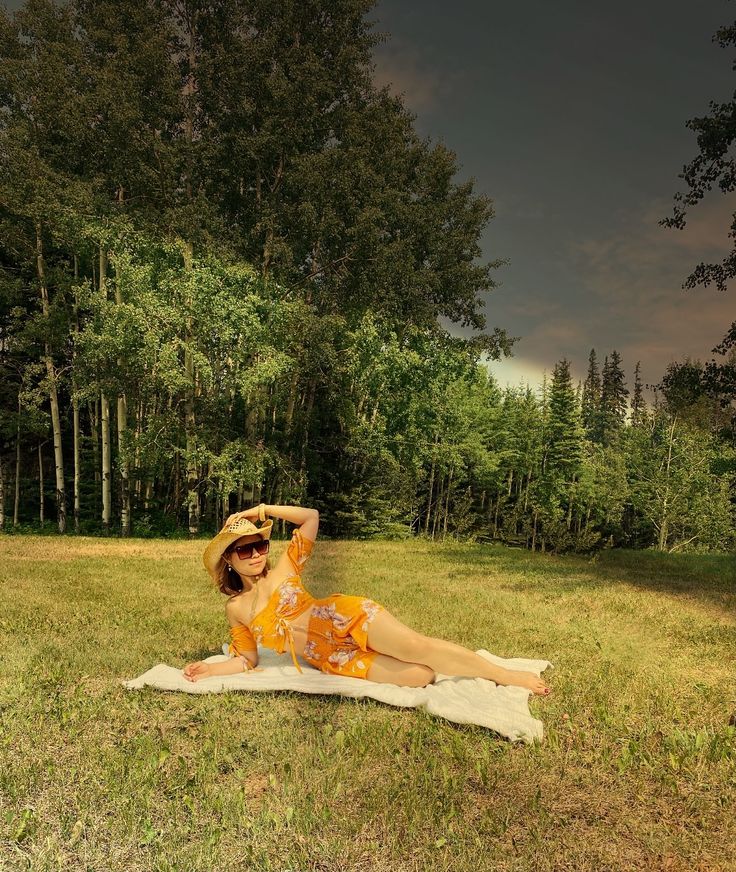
[(419, 648), (389, 636), (411, 647), (425, 675)]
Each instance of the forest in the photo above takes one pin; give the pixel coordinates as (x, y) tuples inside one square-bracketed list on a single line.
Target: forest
[(225, 254)]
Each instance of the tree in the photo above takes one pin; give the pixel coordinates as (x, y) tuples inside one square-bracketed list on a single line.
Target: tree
[(564, 434), (675, 487), (250, 132), (591, 402), (716, 133), (613, 400), (39, 72), (685, 395), (638, 404)]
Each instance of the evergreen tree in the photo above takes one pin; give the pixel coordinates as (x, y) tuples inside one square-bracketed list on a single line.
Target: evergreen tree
[(638, 404), (613, 400), (40, 71), (564, 434), (591, 402)]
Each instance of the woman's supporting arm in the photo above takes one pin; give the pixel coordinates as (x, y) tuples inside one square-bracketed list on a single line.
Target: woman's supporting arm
[(230, 667), (200, 669)]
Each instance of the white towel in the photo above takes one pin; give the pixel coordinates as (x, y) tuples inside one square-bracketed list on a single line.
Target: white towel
[(462, 700)]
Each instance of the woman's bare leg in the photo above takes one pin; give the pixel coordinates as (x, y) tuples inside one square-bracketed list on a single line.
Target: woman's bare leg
[(389, 670), (389, 636)]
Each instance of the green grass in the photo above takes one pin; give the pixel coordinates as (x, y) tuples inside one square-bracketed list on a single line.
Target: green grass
[(637, 769)]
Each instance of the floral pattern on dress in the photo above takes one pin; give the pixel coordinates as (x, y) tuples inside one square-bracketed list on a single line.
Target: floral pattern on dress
[(336, 638), (371, 609), (324, 613), (329, 613), (341, 656), (288, 596), (311, 651)]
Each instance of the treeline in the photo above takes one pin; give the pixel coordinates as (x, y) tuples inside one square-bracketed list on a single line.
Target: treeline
[(223, 257), (199, 202)]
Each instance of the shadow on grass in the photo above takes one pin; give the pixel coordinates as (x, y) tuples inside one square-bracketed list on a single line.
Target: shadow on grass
[(710, 578)]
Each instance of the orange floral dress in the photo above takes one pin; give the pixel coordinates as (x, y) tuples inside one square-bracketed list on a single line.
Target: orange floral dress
[(337, 634)]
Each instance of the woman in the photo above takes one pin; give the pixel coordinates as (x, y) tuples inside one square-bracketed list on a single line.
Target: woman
[(338, 634)]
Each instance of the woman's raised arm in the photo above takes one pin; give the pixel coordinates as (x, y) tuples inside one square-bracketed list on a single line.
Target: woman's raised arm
[(306, 519)]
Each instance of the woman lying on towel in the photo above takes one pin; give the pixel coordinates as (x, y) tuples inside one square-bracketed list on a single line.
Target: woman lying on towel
[(337, 634)]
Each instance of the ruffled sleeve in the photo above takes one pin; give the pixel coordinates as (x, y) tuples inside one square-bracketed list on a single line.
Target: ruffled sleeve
[(242, 641), (299, 550)]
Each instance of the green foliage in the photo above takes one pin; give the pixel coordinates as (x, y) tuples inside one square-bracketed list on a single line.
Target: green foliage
[(674, 488), (246, 251), (591, 399), (613, 400), (564, 434), (713, 164)]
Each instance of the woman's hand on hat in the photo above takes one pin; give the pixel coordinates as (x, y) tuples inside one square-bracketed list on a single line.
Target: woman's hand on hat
[(248, 514), (195, 671), (251, 514)]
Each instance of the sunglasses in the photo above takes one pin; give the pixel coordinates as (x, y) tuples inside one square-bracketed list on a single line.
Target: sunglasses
[(245, 552)]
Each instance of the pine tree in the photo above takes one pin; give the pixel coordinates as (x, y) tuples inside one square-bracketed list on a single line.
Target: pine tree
[(564, 433), (592, 399), (638, 404), (613, 400)]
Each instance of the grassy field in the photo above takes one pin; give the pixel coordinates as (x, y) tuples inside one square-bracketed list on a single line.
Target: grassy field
[(637, 769)]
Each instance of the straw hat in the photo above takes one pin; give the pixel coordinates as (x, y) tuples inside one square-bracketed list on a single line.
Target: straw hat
[(229, 534)]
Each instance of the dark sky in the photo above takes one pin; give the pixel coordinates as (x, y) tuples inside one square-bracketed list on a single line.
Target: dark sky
[(571, 117)]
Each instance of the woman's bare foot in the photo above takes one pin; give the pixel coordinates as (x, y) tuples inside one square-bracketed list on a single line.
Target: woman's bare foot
[(530, 681)]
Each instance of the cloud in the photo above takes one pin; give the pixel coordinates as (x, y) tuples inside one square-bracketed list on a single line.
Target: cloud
[(633, 280), (642, 256), (624, 291), (406, 71)]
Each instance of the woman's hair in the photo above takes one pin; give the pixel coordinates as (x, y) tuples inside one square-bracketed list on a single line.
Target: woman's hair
[(229, 582)]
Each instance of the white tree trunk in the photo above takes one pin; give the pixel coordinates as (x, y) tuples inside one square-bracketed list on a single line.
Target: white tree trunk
[(123, 459), (16, 502), (2, 495), (75, 409), (664, 519), (53, 394), (190, 423), (41, 517), (105, 415)]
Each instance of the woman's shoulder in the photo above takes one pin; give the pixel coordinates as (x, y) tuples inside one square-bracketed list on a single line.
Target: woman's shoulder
[(234, 606), (240, 605)]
